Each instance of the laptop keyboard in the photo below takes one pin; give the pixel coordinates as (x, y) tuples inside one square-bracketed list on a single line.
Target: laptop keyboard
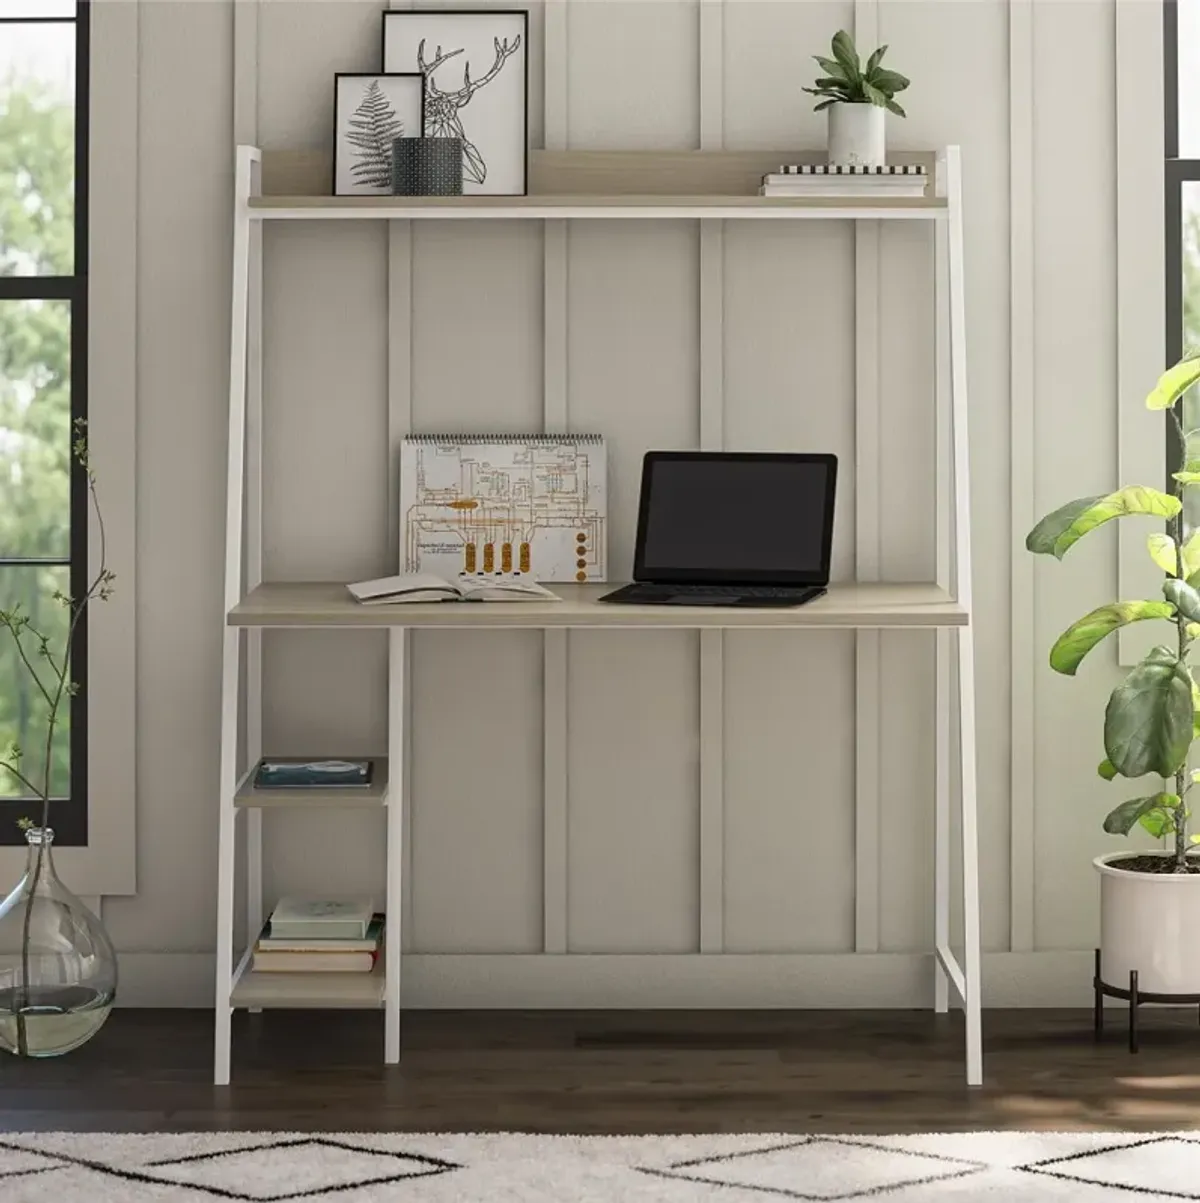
[(752, 591)]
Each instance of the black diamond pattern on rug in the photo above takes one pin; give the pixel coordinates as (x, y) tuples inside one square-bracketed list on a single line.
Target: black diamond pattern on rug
[(253, 1175), (1139, 1168), (819, 1169), (21, 1163)]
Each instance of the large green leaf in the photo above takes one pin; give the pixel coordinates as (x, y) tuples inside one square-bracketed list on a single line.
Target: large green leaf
[(832, 68), (889, 81), (1078, 639), (1173, 383), (1184, 598), (1163, 552), (1061, 530), (845, 53), (876, 58), (1120, 821), (1191, 557), (1149, 719), (1161, 820)]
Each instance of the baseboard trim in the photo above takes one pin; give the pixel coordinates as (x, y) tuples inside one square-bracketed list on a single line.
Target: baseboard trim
[(722, 980)]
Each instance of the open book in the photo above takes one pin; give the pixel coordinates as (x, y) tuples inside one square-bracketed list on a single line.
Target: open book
[(426, 587)]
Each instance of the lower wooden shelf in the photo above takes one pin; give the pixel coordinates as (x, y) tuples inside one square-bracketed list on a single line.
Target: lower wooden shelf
[(300, 991)]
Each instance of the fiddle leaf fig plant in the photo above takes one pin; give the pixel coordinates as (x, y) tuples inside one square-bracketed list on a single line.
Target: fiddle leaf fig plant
[(1153, 716), (848, 81)]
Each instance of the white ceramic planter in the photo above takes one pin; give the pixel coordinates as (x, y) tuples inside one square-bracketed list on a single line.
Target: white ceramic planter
[(857, 135), (1149, 922)]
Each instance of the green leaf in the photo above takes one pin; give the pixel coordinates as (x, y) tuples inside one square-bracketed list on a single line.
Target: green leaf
[(893, 107), (1184, 597), (1107, 769), (1149, 720), (1186, 478), (1078, 639), (824, 105), (1173, 383), (831, 68), (845, 53), (1120, 821), (1159, 821), (1061, 530), (889, 81), (874, 95), (876, 58), (1162, 551)]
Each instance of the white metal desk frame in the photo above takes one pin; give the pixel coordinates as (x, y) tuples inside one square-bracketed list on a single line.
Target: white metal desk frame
[(243, 565)]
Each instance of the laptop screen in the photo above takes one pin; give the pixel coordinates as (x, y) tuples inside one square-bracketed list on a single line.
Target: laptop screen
[(736, 517)]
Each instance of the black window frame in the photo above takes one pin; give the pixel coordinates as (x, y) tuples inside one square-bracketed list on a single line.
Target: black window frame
[(68, 816)]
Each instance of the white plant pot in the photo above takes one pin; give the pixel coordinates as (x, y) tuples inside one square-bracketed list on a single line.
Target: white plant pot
[(1149, 922), (857, 135)]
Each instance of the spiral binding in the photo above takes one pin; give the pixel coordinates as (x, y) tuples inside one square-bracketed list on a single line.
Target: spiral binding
[(444, 439)]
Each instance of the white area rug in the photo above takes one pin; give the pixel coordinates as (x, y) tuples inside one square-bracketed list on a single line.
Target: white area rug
[(348, 1167)]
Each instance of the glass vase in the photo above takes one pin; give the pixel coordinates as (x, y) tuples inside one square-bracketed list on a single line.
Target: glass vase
[(58, 970)]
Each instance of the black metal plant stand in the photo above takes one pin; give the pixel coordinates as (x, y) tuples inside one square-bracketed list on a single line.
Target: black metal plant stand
[(1135, 998)]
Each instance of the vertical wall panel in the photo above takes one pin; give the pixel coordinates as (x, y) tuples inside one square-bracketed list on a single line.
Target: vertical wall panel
[(633, 375), (789, 757), (1075, 361), (931, 33), (477, 772)]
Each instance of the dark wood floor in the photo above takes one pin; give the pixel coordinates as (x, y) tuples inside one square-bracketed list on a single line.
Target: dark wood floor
[(615, 1072)]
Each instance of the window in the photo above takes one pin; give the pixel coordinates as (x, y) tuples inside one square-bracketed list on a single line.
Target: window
[(43, 356)]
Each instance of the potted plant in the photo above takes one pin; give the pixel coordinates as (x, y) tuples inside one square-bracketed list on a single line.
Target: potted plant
[(1149, 901), (857, 100), (58, 974)]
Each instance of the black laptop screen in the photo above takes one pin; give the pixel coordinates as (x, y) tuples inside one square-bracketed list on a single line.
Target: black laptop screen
[(737, 518)]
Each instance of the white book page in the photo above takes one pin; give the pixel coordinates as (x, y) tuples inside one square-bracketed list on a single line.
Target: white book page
[(392, 588)]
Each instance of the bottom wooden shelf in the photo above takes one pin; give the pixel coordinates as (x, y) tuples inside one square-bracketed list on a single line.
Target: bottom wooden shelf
[(299, 991)]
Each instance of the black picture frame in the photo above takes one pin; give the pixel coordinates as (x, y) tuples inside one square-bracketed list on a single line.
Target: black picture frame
[(337, 138), (396, 16)]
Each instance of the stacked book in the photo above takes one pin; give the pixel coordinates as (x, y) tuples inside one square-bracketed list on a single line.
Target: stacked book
[(308, 936), (827, 180)]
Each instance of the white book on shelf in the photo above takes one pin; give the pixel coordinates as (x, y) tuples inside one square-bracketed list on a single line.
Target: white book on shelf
[(428, 587), (333, 918)]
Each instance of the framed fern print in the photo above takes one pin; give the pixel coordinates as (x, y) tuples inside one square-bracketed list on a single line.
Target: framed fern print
[(371, 110), (476, 68)]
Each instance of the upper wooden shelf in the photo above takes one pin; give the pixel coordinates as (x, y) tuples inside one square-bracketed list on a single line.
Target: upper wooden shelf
[(326, 604), (592, 184)]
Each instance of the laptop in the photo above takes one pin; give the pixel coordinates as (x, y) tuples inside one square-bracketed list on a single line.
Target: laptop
[(732, 528)]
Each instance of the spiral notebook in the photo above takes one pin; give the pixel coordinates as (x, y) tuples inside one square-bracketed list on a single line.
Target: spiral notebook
[(526, 505)]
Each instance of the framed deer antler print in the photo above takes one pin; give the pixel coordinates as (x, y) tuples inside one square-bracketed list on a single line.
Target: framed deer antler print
[(476, 69)]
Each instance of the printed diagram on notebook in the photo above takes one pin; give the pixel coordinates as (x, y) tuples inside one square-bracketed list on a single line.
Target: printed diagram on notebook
[(529, 505)]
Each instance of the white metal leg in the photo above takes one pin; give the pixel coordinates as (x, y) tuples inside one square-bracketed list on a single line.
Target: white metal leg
[(234, 513), (970, 857), (941, 839), (397, 727), (225, 857), (972, 992)]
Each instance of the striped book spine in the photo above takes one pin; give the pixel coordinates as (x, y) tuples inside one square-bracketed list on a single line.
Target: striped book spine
[(834, 169)]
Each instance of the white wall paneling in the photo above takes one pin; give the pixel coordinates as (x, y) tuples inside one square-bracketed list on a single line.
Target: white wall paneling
[(1023, 701), (712, 438), (769, 796), (867, 469), (1141, 328), (556, 416)]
